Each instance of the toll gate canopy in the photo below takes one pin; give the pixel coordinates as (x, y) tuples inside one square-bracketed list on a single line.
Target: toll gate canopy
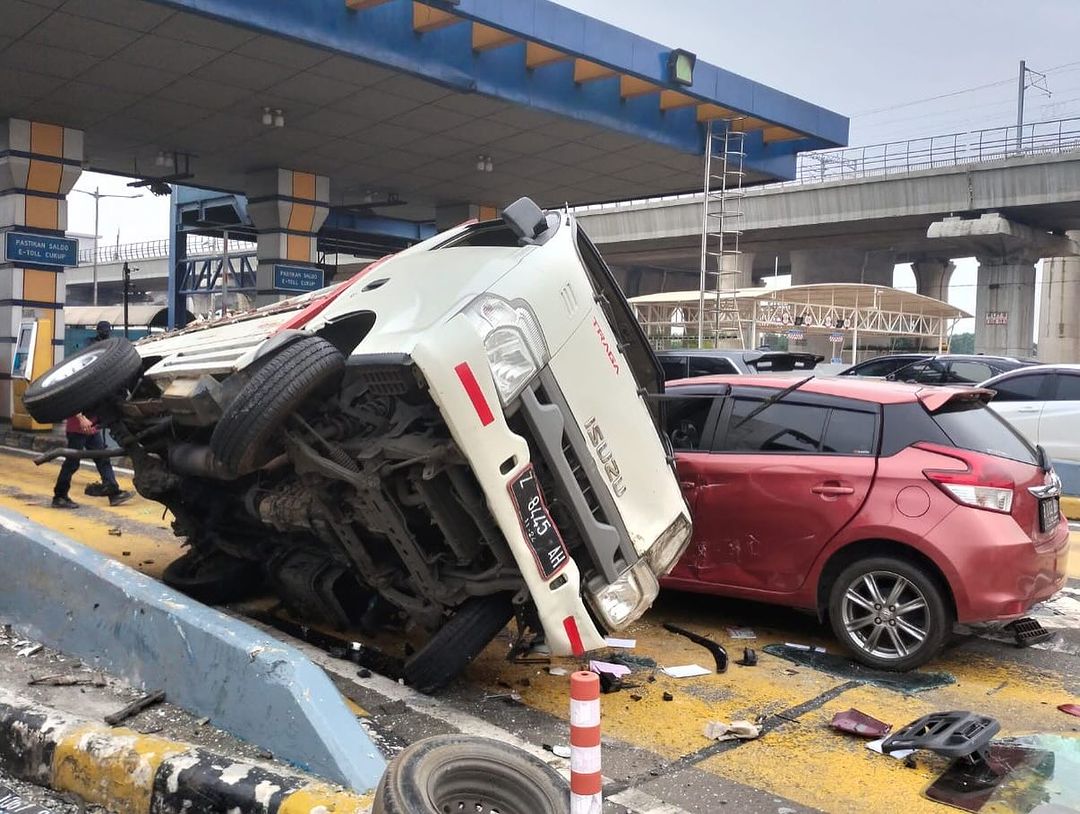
[(854, 318)]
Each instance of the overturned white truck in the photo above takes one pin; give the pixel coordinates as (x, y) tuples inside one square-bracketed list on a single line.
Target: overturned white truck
[(460, 433)]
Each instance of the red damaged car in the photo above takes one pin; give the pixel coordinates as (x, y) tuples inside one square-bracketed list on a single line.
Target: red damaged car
[(892, 510)]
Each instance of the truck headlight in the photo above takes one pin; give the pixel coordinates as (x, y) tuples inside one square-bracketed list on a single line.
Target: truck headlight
[(669, 546), (514, 343), (624, 600)]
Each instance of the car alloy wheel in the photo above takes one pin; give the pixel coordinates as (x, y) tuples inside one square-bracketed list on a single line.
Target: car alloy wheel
[(886, 615)]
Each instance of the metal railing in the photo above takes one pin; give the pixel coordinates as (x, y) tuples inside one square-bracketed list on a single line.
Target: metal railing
[(910, 155), (197, 246)]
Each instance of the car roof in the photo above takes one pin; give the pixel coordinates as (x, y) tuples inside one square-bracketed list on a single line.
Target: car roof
[(982, 357), (1031, 369), (874, 391)]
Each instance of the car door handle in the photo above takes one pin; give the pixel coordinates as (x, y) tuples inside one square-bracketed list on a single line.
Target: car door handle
[(832, 489), (1029, 409)]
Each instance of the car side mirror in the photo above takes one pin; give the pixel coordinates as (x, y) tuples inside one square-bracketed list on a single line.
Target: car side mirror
[(525, 219)]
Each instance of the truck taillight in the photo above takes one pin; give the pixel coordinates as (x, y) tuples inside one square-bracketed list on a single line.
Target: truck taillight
[(981, 484)]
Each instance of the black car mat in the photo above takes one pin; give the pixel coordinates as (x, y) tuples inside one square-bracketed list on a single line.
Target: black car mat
[(843, 667)]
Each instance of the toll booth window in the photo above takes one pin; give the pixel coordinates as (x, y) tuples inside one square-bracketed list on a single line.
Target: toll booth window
[(685, 420), (780, 427)]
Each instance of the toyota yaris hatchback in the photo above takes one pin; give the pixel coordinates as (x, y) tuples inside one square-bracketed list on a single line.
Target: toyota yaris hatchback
[(453, 437), (889, 509)]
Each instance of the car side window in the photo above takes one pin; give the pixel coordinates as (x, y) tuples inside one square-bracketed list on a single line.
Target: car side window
[(710, 366), (685, 420), (1068, 387), (780, 427), (931, 372), (1028, 387), (674, 367), (849, 432), (969, 372), (879, 368)]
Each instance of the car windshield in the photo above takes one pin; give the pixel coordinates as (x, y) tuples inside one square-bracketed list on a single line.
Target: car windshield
[(970, 425)]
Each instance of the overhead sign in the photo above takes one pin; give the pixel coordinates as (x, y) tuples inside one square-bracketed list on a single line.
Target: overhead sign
[(796, 335), (297, 278), (41, 250), (836, 338), (997, 317)]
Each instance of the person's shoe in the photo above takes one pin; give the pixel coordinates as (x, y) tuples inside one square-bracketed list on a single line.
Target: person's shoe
[(96, 489), (64, 502), (122, 496)]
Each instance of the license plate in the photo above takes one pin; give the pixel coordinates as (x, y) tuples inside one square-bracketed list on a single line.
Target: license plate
[(543, 537), (1049, 514)]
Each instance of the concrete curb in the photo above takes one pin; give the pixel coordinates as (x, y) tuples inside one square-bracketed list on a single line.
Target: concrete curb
[(130, 773), (212, 665)]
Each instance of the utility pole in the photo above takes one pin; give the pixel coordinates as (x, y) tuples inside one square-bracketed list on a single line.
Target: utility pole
[(225, 274), (127, 294), (97, 195), (1039, 83)]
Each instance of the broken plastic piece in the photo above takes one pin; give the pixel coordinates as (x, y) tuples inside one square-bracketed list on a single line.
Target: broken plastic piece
[(740, 730), (668, 696), (899, 754), (811, 647), (859, 723), (1070, 709), (741, 633), (600, 667), (951, 734), (686, 671), (626, 644), (558, 671), (719, 653), (560, 750), (1028, 631), (749, 658)]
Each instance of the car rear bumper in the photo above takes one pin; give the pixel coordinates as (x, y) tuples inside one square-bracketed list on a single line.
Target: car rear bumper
[(1004, 574)]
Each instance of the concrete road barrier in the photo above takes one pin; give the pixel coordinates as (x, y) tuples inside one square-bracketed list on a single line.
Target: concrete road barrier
[(246, 682)]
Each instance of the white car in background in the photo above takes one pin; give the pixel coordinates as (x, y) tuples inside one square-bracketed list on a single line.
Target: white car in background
[(1043, 403)]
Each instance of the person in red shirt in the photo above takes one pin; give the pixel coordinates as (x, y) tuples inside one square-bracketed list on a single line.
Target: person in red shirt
[(83, 433)]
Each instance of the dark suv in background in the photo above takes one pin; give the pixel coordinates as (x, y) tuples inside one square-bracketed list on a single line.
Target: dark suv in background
[(961, 369), (689, 364)]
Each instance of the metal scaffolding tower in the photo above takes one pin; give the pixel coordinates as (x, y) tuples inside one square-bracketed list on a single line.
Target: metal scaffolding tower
[(721, 222)]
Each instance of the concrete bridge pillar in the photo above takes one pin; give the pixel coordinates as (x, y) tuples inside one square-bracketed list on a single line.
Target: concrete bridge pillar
[(1005, 304), (932, 277), (1059, 311), (39, 164), (287, 207), (872, 267)]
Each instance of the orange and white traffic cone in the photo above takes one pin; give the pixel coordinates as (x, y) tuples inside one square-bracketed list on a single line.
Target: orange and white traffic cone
[(586, 793)]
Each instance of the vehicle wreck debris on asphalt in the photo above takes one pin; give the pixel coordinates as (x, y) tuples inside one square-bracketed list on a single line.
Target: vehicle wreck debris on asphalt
[(457, 435)]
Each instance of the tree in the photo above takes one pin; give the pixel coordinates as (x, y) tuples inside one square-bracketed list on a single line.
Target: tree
[(962, 343)]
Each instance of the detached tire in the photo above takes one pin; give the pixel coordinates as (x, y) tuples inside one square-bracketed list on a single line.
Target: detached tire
[(465, 773), (214, 578), (459, 641), (891, 613), (83, 380), (246, 437)]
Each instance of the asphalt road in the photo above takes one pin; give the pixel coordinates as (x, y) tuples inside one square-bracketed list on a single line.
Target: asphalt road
[(43, 799), (656, 757)]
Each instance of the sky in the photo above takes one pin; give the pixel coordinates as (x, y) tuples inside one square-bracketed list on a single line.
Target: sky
[(898, 70)]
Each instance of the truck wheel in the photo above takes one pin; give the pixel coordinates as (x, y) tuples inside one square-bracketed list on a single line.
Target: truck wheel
[(890, 613), (213, 578), (458, 642), (467, 773), (83, 380), (247, 435)]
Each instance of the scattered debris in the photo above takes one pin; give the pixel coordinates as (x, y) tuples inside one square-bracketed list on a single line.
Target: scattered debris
[(626, 644), (1070, 709), (686, 671), (558, 671), (636, 696), (1028, 631), (811, 647), (950, 734), (741, 633), (736, 730), (125, 553), (525, 682), (135, 707), (31, 650), (202, 722), (859, 723), (899, 754), (633, 661), (610, 683), (116, 531), (68, 680), (969, 784), (398, 707), (910, 682), (559, 750), (749, 658), (600, 667), (364, 672), (719, 653), (508, 697), (668, 696)]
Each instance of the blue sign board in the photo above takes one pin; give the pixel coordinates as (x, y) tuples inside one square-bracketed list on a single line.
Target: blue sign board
[(297, 278), (41, 250)]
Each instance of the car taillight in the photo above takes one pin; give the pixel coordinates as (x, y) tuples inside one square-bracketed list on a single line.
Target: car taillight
[(981, 484)]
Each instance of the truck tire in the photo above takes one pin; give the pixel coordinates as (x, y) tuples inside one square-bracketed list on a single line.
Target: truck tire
[(459, 641), (83, 380), (468, 773), (246, 437), (212, 578)]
